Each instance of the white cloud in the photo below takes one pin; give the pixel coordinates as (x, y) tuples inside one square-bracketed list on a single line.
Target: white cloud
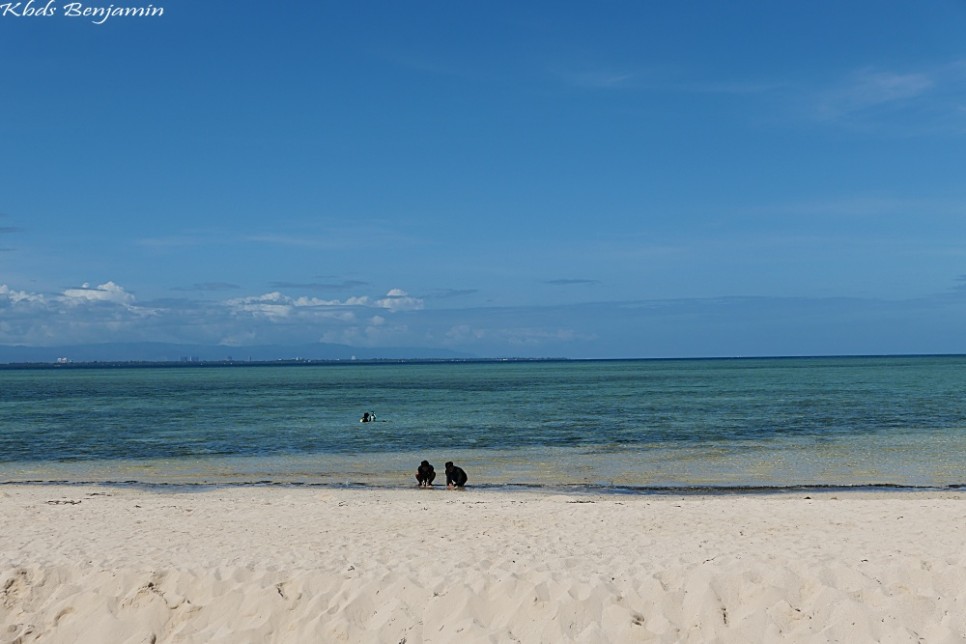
[(107, 292), (317, 302), (276, 305), (108, 312), (20, 297), (399, 300), (83, 314), (271, 305)]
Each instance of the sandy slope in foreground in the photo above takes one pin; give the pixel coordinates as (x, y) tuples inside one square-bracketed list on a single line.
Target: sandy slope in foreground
[(85, 564)]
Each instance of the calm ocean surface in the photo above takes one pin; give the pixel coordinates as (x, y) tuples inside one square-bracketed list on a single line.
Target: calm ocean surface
[(608, 425)]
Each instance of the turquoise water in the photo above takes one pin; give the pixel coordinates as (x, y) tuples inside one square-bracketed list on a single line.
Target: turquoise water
[(607, 424)]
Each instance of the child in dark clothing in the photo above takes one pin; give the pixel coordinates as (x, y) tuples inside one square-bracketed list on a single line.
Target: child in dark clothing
[(455, 476), (425, 474)]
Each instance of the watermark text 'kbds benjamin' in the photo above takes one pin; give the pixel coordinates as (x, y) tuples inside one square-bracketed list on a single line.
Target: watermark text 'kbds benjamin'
[(97, 15)]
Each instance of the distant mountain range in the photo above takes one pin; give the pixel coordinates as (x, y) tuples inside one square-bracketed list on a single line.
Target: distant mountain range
[(161, 352)]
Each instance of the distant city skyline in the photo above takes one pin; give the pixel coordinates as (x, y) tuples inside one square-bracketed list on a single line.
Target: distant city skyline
[(541, 179)]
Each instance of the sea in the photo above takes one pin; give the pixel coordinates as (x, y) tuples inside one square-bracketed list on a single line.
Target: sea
[(613, 426)]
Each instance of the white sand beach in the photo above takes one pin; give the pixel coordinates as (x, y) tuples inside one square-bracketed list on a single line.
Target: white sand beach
[(252, 564)]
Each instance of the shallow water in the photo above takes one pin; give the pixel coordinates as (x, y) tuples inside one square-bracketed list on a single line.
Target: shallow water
[(598, 424)]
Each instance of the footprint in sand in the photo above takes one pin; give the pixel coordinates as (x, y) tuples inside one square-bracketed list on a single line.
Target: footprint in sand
[(62, 614)]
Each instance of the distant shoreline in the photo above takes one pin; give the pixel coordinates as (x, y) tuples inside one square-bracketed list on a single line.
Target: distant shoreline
[(300, 362), (121, 364)]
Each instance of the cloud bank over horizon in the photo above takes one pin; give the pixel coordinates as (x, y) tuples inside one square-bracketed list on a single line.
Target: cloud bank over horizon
[(708, 327)]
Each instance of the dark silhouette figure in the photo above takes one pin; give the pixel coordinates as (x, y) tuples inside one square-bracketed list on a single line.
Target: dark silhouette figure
[(367, 417), (425, 474), (455, 476)]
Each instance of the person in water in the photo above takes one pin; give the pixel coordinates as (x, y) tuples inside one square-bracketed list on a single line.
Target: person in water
[(425, 474), (367, 417), (455, 476)]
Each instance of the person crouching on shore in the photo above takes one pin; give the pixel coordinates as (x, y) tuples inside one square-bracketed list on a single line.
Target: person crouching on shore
[(425, 474), (455, 476)]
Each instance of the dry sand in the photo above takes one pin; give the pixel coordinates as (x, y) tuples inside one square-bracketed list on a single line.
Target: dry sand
[(105, 565)]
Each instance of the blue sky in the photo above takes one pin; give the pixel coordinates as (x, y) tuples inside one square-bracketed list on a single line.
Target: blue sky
[(613, 179)]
